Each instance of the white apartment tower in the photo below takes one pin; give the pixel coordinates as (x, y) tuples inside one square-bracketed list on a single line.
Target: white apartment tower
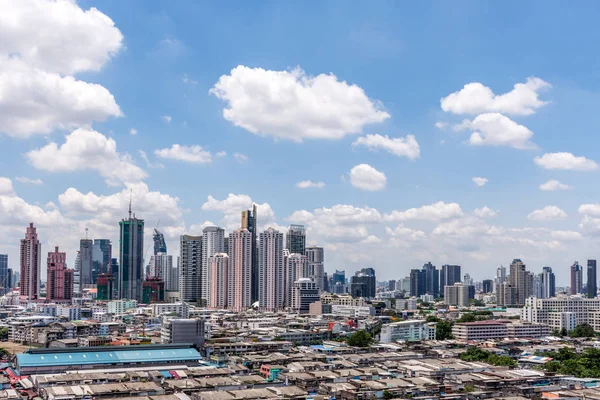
[(213, 242), (316, 259), (240, 269), (271, 270), (296, 267)]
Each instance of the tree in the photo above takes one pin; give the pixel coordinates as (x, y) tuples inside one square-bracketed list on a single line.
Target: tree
[(359, 339), (4, 333), (466, 317), (387, 394), (563, 331), (443, 330), (477, 303), (432, 318), (583, 330)]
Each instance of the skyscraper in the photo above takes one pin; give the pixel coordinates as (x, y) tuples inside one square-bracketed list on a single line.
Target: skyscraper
[(296, 267), (592, 283), (249, 218), (60, 279), (213, 242), (296, 239), (521, 280), (160, 246), (432, 279), (131, 260), (86, 260), (189, 268), (5, 280), (30, 262), (161, 266), (218, 265), (417, 282), (240, 269), (449, 275), (548, 283), (101, 258), (363, 283), (576, 278), (271, 270), (487, 286), (316, 260)]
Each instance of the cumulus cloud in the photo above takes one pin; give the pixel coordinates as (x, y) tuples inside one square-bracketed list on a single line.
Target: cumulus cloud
[(310, 184), (553, 185), (234, 204), (493, 129), (365, 177), (590, 225), (590, 209), (241, 158), (479, 181), (220, 154), (294, 106), (36, 68), (405, 233), (187, 80), (566, 236), (29, 181), (402, 147), (466, 227), (565, 161), (6, 186), (548, 213), (86, 149), (485, 212), (193, 154), (476, 98), (432, 212), (166, 118), (441, 124)]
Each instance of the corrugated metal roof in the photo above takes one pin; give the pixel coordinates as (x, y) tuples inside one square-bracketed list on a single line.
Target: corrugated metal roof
[(104, 357)]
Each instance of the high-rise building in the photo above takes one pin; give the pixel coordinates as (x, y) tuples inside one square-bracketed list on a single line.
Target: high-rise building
[(131, 260), (271, 270), (114, 270), (487, 286), (521, 280), (213, 242), (339, 277), (392, 285), (449, 275), (316, 265), (9, 284), (500, 277), (417, 282), (240, 269), (30, 262), (106, 287), (153, 291), (537, 290), (364, 283), (60, 279), (161, 266), (295, 240), (304, 293), (5, 280), (467, 280), (189, 268), (160, 245), (576, 278), (218, 266), (101, 258), (457, 295), (548, 283), (506, 294), (296, 267), (432, 279), (249, 218), (592, 283), (86, 261)]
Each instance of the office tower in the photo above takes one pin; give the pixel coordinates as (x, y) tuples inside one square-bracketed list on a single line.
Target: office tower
[(304, 293), (392, 284), (457, 295), (487, 286), (506, 294), (576, 278), (467, 280), (363, 283), (339, 277), (592, 284), (114, 270), (271, 270), (213, 242), (101, 258), (449, 275), (537, 290), (432, 279), (160, 245), (86, 260), (77, 264), (249, 218), (226, 245), (30, 262), (338, 282), (218, 265), (240, 269), (295, 240), (521, 280), (316, 260), (417, 282), (190, 248), (131, 273), (500, 277), (4, 275), (296, 267), (548, 283), (161, 266), (10, 280)]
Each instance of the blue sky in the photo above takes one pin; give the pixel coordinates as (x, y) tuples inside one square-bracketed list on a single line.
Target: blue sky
[(385, 69)]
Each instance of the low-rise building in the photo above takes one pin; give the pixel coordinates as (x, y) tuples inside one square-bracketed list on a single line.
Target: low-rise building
[(487, 330), (410, 330)]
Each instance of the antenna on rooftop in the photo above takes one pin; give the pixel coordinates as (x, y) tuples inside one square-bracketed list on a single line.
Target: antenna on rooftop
[(130, 194), (86, 233)]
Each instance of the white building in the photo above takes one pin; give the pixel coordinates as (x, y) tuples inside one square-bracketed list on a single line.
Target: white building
[(457, 295), (410, 330), (296, 267), (304, 293), (562, 312), (487, 330), (118, 307), (213, 242), (271, 270), (343, 300), (161, 265), (352, 311), (174, 330), (316, 259), (406, 304), (160, 309), (240, 269)]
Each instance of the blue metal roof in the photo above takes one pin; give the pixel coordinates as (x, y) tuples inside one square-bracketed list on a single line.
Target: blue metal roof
[(107, 357)]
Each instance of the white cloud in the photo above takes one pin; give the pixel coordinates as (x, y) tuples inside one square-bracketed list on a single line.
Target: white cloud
[(365, 177), (291, 105), (565, 161), (310, 184), (221, 154), (432, 212), (166, 118), (590, 209), (547, 213), (6, 186), (479, 181), (485, 212), (30, 181), (590, 225), (467, 227), (495, 129), (133, 131), (566, 236), (188, 81), (553, 185), (404, 233), (234, 204), (149, 164), (441, 125), (36, 67), (402, 147), (193, 154), (475, 98), (241, 158), (86, 149)]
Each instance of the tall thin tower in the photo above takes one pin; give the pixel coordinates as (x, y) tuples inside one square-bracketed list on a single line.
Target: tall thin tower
[(31, 260), (249, 218), (131, 255)]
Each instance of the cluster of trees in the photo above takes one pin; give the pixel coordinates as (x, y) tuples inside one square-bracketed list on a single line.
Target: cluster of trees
[(359, 339), (567, 362), (443, 328), (477, 354), (580, 331)]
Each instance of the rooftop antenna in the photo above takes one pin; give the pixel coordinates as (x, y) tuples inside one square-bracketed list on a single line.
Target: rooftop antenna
[(86, 233), (130, 194)]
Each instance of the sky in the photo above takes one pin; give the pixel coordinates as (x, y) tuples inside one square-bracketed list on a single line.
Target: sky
[(459, 132)]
